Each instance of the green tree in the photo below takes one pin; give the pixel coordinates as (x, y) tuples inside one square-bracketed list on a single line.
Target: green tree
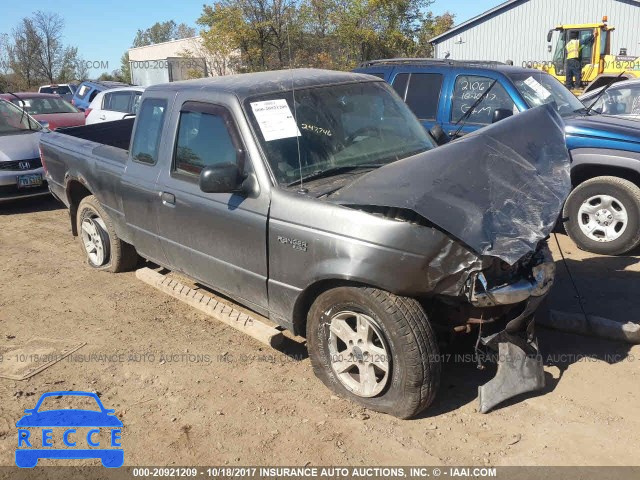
[(125, 68), (432, 26), (162, 32), (261, 30), (270, 34)]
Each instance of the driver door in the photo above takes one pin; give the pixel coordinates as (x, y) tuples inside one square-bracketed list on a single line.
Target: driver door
[(218, 239)]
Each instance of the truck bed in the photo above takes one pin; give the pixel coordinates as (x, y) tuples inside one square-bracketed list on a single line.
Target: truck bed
[(97, 154), (115, 134)]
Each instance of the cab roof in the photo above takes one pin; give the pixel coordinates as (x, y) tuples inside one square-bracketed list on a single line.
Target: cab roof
[(249, 84)]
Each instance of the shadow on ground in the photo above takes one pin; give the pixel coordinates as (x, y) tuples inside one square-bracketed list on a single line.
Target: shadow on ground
[(30, 205)]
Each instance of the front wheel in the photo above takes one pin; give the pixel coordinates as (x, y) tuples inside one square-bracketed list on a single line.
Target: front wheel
[(603, 215), (374, 348)]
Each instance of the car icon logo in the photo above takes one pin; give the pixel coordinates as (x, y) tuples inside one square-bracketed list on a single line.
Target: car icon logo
[(69, 433), (24, 165)]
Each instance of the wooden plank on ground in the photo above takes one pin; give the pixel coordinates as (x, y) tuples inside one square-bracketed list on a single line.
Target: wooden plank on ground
[(222, 311)]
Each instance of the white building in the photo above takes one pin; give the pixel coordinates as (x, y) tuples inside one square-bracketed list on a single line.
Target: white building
[(172, 61)]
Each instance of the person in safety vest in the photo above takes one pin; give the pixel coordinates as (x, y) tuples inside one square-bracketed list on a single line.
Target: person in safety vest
[(573, 77)]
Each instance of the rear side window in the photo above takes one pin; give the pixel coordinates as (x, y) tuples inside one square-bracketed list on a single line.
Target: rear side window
[(400, 84), (468, 89), (421, 91), (60, 90), (423, 94), (93, 95), (204, 138), (117, 102), (146, 139), (83, 90)]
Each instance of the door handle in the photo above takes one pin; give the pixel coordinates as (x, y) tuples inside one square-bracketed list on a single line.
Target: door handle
[(168, 199), (103, 117)]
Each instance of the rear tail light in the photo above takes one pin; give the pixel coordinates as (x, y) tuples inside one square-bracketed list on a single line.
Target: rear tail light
[(87, 112), (44, 165)]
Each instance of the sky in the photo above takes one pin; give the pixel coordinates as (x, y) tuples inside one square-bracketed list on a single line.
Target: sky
[(103, 31)]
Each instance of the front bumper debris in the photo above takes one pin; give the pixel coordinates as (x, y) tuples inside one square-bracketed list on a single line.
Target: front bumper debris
[(517, 373), (520, 367), (538, 284)]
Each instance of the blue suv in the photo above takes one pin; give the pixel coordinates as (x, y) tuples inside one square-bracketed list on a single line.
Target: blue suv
[(88, 90), (602, 214)]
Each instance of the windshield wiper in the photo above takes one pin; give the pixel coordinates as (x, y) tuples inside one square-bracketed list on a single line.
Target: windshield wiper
[(468, 113), (23, 110), (593, 104), (333, 171)]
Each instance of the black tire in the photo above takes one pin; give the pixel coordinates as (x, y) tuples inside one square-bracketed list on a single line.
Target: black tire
[(626, 193), (118, 255), (414, 375)]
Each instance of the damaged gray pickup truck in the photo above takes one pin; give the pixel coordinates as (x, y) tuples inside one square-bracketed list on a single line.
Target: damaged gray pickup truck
[(317, 199)]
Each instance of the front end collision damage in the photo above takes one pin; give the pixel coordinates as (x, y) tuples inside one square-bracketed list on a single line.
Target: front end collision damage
[(498, 193)]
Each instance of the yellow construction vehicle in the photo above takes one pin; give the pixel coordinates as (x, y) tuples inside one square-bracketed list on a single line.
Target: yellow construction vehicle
[(599, 66)]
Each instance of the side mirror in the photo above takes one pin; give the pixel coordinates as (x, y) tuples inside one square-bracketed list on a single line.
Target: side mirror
[(549, 36), (439, 134), (44, 124), (224, 178), (501, 114)]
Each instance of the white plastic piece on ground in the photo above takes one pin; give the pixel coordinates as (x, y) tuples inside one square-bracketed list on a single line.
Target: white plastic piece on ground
[(591, 325), (223, 312)]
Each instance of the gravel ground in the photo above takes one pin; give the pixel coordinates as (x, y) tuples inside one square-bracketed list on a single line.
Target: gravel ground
[(211, 396)]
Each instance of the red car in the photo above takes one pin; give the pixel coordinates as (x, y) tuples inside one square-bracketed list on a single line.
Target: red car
[(49, 109)]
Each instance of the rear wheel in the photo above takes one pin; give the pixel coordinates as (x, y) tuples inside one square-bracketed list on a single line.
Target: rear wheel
[(99, 241), (374, 348), (603, 215)]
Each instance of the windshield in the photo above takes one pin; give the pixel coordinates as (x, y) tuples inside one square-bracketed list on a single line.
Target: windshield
[(541, 88), (338, 127), (58, 90), (15, 120), (45, 105), (623, 100)]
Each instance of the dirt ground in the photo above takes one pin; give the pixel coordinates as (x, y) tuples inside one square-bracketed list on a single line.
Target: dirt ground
[(234, 401)]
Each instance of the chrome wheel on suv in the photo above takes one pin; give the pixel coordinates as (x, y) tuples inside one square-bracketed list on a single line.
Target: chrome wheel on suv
[(602, 215), (603, 218)]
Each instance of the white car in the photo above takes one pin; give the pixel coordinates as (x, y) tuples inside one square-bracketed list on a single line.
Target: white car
[(65, 90), (114, 104), (621, 98)]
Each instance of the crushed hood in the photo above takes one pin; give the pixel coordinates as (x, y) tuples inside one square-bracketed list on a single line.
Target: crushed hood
[(498, 190)]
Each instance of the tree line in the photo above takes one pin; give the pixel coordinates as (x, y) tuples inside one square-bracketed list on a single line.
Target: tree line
[(254, 35), (34, 53)]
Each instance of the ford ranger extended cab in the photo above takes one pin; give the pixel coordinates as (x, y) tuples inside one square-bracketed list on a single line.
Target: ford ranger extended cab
[(602, 215), (316, 199)]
